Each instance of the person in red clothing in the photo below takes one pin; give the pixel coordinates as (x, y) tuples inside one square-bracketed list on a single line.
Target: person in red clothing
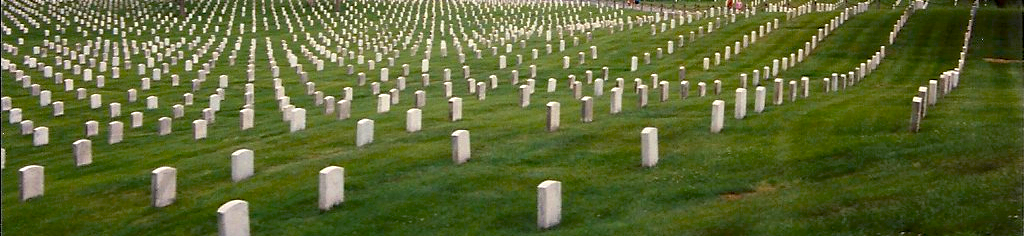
[(735, 4)]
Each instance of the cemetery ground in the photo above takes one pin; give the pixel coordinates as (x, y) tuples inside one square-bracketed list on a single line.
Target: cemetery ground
[(836, 163)]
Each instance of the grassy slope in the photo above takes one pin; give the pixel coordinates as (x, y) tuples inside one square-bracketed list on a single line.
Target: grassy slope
[(837, 163)]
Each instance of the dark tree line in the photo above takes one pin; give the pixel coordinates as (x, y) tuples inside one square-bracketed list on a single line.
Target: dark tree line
[(181, 7)]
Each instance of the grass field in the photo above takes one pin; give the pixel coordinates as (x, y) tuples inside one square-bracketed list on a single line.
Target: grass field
[(842, 163)]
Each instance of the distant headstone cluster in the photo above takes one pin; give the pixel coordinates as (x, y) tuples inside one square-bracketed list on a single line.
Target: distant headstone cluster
[(175, 69)]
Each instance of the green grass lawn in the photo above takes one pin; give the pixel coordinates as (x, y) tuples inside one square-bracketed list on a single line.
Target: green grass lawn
[(842, 163)]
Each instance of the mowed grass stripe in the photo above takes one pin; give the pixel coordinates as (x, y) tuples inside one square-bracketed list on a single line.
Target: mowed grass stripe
[(405, 183), (892, 185)]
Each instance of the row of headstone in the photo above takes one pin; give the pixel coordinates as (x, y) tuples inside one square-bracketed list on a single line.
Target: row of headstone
[(936, 89), (186, 64), (164, 183), (233, 216), (736, 47), (796, 88), (672, 45), (442, 46), (784, 63), (199, 127)]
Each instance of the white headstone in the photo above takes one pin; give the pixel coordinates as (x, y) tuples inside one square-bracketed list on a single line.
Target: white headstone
[(344, 109), (152, 102), (587, 109), (549, 204), (199, 129), (45, 98), (778, 96), (31, 182), (642, 98), (298, 119), (5, 104), (233, 218), (286, 113), (58, 108), (420, 99), (165, 126), (177, 111), (332, 187), (917, 108), (115, 109), (717, 116), (481, 90), (383, 103), (83, 152), (460, 146), (215, 102), (805, 84), (933, 92), (455, 109), (649, 146), (364, 132), (15, 116), (413, 120), (394, 96), (40, 136), (616, 103), (95, 101), (241, 164), (92, 128), (136, 119), (26, 127), (164, 186), (741, 103), (759, 99), (554, 116)]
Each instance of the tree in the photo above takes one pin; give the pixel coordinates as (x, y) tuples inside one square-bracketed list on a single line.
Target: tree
[(181, 7)]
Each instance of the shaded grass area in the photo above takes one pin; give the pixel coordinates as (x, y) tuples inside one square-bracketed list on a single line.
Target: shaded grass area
[(832, 164)]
